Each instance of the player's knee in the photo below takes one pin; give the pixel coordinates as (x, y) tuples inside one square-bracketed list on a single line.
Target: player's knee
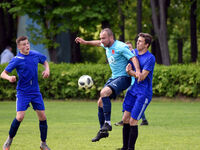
[(20, 118), (133, 122), (125, 119)]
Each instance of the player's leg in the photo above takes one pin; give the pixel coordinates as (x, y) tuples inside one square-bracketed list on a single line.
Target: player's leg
[(128, 104), (22, 103), (38, 106), (105, 93), (111, 90), (140, 105), (43, 129), (100, 134)]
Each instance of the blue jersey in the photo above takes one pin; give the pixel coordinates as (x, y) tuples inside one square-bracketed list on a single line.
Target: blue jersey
[(118, 55), (27, 70), (147, 62)]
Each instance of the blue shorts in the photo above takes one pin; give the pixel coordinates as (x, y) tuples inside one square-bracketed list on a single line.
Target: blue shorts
[(136, 104), (118, 85), (23, 101)]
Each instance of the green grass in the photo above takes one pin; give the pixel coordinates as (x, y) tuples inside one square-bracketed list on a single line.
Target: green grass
[(72, 125)]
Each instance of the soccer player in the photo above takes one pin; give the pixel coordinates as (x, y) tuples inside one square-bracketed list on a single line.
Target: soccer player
[(26, 64), (140, 94), (118, 55), (144, 120)]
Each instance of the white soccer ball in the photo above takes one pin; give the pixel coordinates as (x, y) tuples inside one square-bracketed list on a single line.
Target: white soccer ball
[(85, 81)]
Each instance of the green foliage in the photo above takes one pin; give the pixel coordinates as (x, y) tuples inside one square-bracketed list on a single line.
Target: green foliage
[(170, 81)]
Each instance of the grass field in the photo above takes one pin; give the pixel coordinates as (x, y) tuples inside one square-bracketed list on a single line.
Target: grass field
[(72, 125)]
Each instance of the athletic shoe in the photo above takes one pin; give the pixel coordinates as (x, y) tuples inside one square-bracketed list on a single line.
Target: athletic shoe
[(144, 122), (100, 135), (7, 144), (43, 146), (119, 123), (106, 127)]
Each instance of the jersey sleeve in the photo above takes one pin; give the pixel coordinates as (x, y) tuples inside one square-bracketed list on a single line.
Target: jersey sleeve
[(42, 58), (149, 65), (127, 53), (12, 65)]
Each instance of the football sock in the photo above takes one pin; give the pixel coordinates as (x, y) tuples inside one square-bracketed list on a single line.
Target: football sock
[(14, 127), (109, 122), (125, 134), (101, 116), (106, 108), (43, 130), (133, 134), (143, 117)]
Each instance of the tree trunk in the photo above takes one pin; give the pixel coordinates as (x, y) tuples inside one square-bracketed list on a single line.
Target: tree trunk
[(2, 30), (75, 49), (122, 22), (160, 28), (180, 50), (139, 16), (193, 31), (105, 24)]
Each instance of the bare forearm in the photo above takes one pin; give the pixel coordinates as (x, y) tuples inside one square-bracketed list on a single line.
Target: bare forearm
[(136, 64), (46, 65), (4, 75), (93, 43)]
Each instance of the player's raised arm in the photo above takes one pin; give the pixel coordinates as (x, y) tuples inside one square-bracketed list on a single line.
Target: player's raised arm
[(5, 75), (46, 72), (93, 42)]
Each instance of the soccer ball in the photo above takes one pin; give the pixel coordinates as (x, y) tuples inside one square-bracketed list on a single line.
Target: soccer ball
[(85, 81)]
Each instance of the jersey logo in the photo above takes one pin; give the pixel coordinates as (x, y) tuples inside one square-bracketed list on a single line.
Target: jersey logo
[(19, 57), (113, 51), (111, 60)]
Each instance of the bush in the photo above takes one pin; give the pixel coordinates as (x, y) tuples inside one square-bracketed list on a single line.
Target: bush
[(170, 81)]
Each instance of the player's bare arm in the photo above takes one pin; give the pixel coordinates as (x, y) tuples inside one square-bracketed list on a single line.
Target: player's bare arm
[(131, 72), (137, 67), (46, 72), (5, 75), (84, 42)]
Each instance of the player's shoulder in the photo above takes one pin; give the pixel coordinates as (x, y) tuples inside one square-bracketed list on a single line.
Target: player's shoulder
[(151, 56), (120, 45)]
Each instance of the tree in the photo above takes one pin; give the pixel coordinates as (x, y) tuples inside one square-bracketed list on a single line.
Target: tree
[(160, 28), (193, 31)]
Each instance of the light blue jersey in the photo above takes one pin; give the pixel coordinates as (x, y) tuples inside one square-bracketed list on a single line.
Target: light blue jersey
[(118, 56)]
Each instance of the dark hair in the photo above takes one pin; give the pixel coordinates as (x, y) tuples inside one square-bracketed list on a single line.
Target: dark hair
[(21, 38), (147, 37), (108, 31)]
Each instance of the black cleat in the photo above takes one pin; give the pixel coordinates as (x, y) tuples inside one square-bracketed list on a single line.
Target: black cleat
[(106, 127), (119, 123), (100, 135), (144, 122)]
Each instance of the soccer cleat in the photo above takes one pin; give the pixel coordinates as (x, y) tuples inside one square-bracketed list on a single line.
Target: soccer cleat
[(43, 146), (7, 144), (106, 127), (119, 123), (144, 122), (100, 135)]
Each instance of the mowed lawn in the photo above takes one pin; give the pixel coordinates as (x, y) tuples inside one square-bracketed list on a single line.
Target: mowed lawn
[(72, 125)]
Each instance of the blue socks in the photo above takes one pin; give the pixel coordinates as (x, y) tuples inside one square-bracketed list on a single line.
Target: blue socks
[(43, 130), (101, 116), (106, 108), (14, 127)]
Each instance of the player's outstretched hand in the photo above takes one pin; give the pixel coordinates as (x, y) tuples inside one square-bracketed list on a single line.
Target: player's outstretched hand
[(12, 79), (45, 73), (80, 40)]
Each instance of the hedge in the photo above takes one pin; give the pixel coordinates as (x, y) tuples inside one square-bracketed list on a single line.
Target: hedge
[(170, 81)]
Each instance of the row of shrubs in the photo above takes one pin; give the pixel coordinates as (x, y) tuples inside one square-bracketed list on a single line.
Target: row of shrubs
[(170, 81)]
